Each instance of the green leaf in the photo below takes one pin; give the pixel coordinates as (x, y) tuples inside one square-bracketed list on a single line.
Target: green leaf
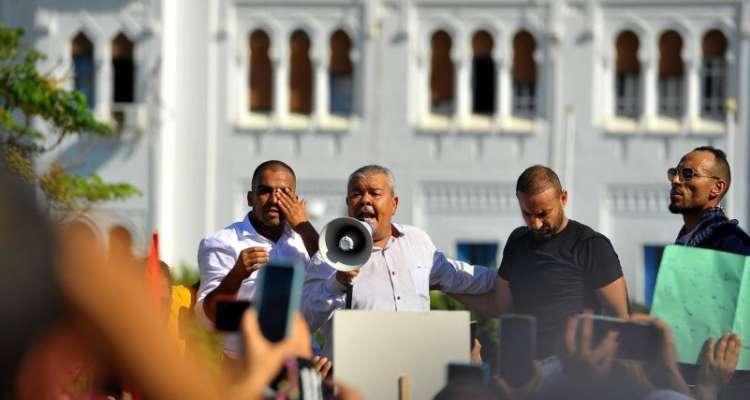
[(25, 94)]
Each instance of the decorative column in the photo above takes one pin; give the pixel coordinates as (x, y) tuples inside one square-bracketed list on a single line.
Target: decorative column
[(730, 109), (423, 72), (606, 91), (649, 92), (692, 92), (280, 61), (462, 91), (103, 78), (321, 89), (503, 93)]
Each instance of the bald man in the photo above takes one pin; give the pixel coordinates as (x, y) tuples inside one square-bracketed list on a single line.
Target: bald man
[(698, 184), (553, 267)]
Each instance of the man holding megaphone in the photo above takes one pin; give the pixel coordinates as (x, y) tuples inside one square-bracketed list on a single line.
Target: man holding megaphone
[(393, 270)]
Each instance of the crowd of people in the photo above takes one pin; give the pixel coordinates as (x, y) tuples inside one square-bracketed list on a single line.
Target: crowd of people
[(82, 316)]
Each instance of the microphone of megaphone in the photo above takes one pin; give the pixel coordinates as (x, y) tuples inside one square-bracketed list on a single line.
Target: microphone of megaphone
[(345, 243)]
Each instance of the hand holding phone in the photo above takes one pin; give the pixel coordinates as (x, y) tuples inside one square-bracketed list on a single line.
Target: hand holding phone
[(637, 340), (277, 297), (517, 348)]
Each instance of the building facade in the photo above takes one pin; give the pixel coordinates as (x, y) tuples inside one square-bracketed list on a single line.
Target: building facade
[(456, 97)]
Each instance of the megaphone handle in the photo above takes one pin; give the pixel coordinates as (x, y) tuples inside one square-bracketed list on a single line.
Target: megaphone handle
[(348, 297)]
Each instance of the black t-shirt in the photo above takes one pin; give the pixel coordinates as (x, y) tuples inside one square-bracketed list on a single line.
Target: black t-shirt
[(557, 277)]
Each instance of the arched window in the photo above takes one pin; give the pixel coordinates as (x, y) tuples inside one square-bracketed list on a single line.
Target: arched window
[(524, 75), (628, 76), (671, 75), (123, 69), (300, 74), (261, 75), (714, 73), (483, 74), (441, 75), (83, 67), (340, 74)]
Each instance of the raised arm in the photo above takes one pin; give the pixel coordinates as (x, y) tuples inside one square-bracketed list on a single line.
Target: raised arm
[(614, 298)]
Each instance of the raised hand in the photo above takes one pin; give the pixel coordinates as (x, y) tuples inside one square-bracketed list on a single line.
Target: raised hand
[(583, 360), (264, 359), (250, 260), (322, 365), (292, 206), (345, 277), (664, 372), (525, 391), (717, 364)]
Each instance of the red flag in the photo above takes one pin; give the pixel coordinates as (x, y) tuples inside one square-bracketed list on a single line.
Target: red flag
[(154, 270)]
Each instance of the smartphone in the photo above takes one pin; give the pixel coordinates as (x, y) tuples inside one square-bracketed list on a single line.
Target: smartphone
[(229, 314), (277, 297), (636, 340), (468, 373), (517, 348)]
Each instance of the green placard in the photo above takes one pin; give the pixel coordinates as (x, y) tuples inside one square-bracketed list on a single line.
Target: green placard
[(702, 293)]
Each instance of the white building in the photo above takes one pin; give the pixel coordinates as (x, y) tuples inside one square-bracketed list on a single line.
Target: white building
[(456, 97)]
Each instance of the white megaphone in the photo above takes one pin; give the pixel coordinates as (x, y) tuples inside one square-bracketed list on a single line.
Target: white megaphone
[(345, 243)]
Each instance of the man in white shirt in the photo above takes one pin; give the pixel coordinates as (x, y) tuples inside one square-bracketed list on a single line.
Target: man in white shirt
[(276, 228), (403, 266)]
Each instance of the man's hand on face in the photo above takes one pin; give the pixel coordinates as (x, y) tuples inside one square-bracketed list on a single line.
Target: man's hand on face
[(345, 278), (291, 205), (251, 259)]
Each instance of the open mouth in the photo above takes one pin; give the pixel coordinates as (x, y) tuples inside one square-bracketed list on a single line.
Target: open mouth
[(367, 214)]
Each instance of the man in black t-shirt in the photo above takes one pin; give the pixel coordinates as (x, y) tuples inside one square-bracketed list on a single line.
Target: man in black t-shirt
[(553, 267), (557, 276)]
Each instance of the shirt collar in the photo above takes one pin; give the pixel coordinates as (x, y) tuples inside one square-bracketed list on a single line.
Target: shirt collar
[(397, 231)]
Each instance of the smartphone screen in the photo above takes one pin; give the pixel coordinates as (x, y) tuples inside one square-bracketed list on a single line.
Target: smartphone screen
[(517, 348), (277, 292), (636, 340), (229, 314), (472, 333), (468, 373)]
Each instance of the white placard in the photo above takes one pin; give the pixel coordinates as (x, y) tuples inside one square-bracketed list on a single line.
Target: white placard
[(372, 349)]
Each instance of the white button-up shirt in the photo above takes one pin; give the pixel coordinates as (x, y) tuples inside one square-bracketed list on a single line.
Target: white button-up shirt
[(218, 253), (397, 277)]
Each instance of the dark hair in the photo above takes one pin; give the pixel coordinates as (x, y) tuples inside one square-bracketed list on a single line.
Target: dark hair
[(536, 179), (721, 165), (270, 164)]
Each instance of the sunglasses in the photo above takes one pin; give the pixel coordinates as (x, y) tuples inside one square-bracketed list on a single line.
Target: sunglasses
[(686, 174)]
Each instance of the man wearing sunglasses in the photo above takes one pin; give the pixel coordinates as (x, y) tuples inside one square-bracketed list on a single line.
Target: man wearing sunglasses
[(699, 182)]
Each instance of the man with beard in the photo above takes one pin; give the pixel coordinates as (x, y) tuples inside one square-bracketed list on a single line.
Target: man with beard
[(277, 227), (403, 266), (699, 182), (553, 267)]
